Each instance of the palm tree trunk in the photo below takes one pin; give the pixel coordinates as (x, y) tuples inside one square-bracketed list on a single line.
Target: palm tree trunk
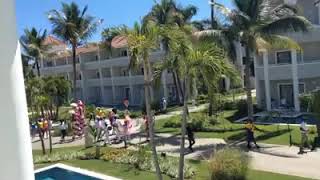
[(179, 86), (150, 74), (74, 67), (183, 129), (210, 110), (212, 15), (42, 141), (147, 81), (38, 67), (248, 83)]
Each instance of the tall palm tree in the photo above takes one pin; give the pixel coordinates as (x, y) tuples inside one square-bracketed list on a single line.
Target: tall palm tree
[(193, 58), (33, 43), (258, 24), (166, 13), (141, 42), (73, 26)]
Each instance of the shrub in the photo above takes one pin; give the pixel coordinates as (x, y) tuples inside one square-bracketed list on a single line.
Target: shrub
[(229, 164), (305, 100), (202, 99), (59, 156), (199, 122), (313, 130), (172, 123), (142, 160), (90, 109)]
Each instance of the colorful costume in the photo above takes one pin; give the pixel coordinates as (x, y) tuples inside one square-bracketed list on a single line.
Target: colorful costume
[(78, 119)]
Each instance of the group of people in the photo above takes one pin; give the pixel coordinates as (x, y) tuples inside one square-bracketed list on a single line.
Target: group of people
[(108, 125), (42, 127)]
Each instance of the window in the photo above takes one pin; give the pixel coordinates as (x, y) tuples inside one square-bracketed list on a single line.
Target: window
[(283, 57), (124, 53), (98, 75), (301, 88)]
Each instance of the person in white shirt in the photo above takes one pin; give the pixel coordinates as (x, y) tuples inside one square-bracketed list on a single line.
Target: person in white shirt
[(304, 135), (63, 129)]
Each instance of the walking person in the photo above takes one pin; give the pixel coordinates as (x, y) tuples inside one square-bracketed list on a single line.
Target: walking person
[(250, 128), (46, 128), (127, 125), (191, 139), (33, 130), (146, 125), (63, 130), (304, 136), (114, 123), (107, 129)]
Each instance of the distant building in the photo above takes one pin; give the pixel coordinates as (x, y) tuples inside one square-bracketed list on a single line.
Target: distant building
[(282, 75), (103, 77)]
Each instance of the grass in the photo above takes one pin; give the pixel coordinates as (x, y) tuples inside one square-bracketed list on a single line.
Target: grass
[(128, 172), (225, 129)]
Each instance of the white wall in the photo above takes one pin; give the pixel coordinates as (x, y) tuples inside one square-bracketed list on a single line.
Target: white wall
[(15, 152)]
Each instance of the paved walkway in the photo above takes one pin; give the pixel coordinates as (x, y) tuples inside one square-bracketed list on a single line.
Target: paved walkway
[(271, 158)]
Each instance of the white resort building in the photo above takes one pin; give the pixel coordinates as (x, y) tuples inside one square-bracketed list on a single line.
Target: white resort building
[(282, 75), (103, 76)]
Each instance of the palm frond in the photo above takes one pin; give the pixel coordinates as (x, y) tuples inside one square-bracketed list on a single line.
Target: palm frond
[(278, 41), (286, 24)]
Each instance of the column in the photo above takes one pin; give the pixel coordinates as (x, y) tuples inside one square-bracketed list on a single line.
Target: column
[(239, 60), (257, 82), (83, 80), (131, 86), (103, 96), (295, 80), (113, 86), (16, 152), (266, 79), (164, 76), (318, 6)]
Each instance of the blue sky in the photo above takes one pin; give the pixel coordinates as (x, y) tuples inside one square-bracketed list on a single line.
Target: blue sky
[(32, 13)]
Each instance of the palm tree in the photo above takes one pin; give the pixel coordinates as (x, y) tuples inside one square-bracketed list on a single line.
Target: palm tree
[(166, 13), (258, 24), (73, 26), (315, 109), (141, 42), (193, 58), (33, 91), (56, 89), (33, 43)]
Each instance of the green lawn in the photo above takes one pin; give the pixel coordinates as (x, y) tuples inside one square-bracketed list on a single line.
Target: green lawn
[(129, 173), (272, 134)]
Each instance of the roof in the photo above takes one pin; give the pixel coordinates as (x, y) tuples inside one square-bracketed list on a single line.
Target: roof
[(51, 40), (88, 48), (119, 42)]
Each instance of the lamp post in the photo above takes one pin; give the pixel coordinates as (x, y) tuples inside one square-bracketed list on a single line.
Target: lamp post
[(16, 152)]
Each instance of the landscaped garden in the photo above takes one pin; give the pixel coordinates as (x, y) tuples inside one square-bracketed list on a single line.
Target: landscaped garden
[(85, 158)]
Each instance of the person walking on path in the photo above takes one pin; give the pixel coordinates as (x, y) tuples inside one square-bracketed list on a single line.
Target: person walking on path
[(304, 136), (146, 125), (250, 128), (63, 130), (191, 139)]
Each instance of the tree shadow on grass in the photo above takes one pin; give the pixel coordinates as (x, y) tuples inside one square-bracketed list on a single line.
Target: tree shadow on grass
[(272, 134)]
